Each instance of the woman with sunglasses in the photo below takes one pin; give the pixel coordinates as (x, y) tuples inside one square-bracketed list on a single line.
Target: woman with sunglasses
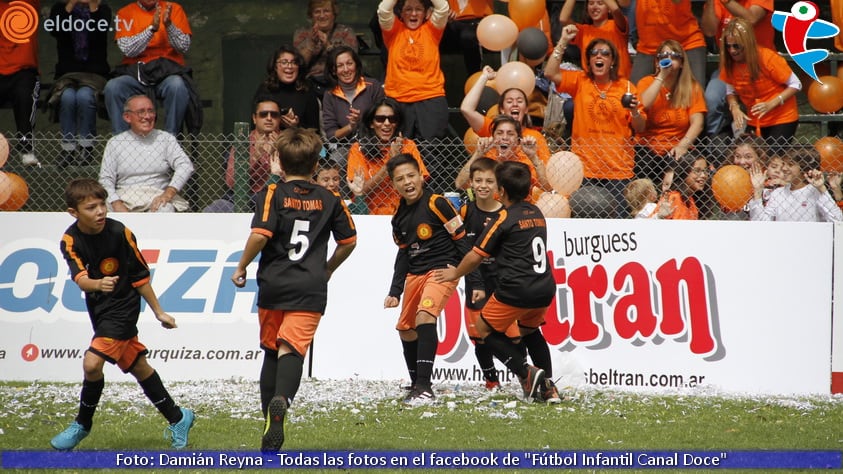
[(675, 107), (602, 19), (286, 84), (602, 130), (760, 86), (513, 102), (378, 140)]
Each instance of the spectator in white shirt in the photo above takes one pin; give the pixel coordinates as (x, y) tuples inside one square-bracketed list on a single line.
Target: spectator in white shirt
[(143, 169), (804, 198)]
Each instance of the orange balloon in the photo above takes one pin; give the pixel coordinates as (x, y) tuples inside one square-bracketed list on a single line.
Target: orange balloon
[(554, 205), (831, 153), (470, 141), (515, 74), (564, 172), (472, 79), (732, 187), (840, 72), (4, 151), (5, 187), (826, 97), (496, 32), (493, 111), (526, 13), (19, 193)]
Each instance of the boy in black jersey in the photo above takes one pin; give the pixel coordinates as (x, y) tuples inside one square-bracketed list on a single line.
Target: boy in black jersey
[(525, 285), (290, 229), (106, 263), (429, 234), (480, 284)]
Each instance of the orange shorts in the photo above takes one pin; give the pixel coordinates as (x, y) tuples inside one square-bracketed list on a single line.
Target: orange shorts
[(294, 328), (471, 316), (124, 353), (421, 293), (501, 316)]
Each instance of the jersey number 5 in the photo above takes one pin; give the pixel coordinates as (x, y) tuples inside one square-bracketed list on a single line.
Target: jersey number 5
[(298, 239)]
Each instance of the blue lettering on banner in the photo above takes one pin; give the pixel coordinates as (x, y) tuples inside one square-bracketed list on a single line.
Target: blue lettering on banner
[(427, 460), (186, 268)]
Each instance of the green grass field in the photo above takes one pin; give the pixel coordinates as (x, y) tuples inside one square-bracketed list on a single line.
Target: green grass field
[(364, 415)]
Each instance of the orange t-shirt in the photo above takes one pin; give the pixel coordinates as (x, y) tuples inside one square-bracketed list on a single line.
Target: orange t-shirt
[(608, 31), (542, 150), (600, 135), (383, 199), (657, 20), (473, 9), (666, 126), (134, 19), (520, 157), (681, 211), (413, 72), (18, 56), (764, 32), (770, 83)]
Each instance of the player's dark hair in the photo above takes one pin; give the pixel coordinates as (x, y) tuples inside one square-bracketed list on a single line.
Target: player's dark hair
[(481, 164), (299, 150), (514, 178), (80, 189), (401, 159)]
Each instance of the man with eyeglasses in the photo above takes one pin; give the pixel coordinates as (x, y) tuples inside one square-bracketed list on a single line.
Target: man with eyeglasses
[(267, 120), (143, 169), (716, 15), (154, 36)]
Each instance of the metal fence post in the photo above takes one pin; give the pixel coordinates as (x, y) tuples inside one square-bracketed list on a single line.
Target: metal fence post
[(241, 167)]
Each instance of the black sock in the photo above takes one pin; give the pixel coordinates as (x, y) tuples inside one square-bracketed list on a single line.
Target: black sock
[(158, 395), (267, 378), (288, 376), (522, 348), (411, 355), (504, 349), (428, 340), (539, 352), (487, 363), (89, 398)]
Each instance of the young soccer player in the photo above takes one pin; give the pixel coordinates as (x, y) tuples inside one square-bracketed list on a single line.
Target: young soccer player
[(525, 285), (106, 263), (480, 283), (430, 235), (290, 229)]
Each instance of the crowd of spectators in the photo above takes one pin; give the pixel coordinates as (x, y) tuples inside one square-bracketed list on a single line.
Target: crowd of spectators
[(639, 100)]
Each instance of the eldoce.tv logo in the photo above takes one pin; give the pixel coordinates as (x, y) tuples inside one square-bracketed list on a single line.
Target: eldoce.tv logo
[(19, 22)]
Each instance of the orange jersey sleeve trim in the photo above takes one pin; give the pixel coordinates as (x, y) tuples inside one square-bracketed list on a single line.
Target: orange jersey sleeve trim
[(264, 232), (349, 240), (79, 276), (481, 253), (140, 282)]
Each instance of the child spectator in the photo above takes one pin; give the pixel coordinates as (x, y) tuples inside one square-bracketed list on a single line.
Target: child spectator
[(430, 235), (328, 176), (525, 284), (642, 198), (106, 263), (290, 230), (690, 175), (804, 198)]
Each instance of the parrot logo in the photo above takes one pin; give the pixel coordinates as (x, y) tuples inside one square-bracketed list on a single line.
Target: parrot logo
[(801, 24)]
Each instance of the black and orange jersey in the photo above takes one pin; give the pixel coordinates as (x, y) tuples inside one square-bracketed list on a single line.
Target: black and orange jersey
[(483, 278), (518, 241), (429, 234), (298, 217), (112, 252)]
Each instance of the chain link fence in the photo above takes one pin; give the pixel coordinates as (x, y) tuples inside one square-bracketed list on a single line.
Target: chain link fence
[(589, 185)]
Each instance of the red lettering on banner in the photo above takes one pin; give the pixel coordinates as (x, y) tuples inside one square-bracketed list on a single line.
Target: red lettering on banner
[(672, 302)]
